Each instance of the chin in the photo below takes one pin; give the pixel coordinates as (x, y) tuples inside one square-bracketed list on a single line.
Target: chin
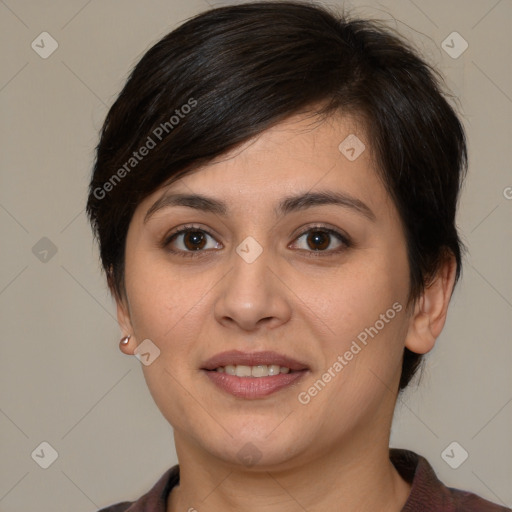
[(257, 455), (259, 448)]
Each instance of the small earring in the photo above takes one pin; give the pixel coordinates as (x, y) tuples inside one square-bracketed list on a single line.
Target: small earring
[(124, 341)]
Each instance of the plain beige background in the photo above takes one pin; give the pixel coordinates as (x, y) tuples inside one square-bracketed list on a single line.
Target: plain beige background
[(63, 379)]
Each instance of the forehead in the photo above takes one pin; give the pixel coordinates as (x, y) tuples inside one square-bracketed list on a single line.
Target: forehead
[(298, 155), (302, 138)]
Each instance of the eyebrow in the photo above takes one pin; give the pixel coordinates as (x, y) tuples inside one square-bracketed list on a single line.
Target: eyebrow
[(286, 205)]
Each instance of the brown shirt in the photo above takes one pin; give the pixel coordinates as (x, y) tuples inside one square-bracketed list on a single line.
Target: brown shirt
[(428, 494)]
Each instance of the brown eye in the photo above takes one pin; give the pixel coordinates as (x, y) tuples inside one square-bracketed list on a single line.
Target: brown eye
[(194, 240), (318, 240), (321, 239), (190, 240)]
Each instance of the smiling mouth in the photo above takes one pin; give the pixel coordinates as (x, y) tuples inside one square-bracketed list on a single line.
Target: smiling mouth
[(253, 375)]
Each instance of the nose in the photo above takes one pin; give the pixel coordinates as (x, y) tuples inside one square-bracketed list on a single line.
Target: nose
[(252, 296)]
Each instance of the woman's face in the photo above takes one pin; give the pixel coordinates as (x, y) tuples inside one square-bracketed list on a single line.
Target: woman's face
[(265, 269)]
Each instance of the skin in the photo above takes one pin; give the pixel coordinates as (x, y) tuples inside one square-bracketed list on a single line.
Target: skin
[(310, 308)]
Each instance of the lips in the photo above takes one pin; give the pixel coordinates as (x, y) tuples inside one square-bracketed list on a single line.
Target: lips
[(283, 371), (236, 357)]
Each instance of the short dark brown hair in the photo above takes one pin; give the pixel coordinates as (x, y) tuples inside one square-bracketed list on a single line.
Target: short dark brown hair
[(241, 69)]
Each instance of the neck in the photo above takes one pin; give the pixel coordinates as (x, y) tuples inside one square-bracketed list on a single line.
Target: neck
[(355, 477)]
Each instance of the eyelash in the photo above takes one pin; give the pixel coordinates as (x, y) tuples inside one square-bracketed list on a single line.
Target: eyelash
[(314, 254)]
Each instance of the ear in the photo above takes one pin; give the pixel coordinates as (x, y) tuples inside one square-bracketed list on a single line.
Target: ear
[(123, 312), (431, 309), (124, 321)]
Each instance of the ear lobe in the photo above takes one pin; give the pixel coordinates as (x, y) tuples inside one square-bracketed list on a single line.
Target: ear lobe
[(124, 321), (431, 309)]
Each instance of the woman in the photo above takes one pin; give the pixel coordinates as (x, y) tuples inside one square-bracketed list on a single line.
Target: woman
[(274, 197)]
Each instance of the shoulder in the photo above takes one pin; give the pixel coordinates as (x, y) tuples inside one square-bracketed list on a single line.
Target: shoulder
[(428, 493), (464, 500)]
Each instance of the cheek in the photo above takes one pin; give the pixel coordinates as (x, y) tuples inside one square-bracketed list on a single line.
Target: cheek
[(354, 298), (168, 310), (160, 300), (363, 349), (364, 308)]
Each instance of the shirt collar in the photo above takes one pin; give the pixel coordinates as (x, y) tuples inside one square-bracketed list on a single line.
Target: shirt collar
[(427, 491)]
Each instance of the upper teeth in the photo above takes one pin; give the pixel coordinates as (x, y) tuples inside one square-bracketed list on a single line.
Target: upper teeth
[(261, 370)]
